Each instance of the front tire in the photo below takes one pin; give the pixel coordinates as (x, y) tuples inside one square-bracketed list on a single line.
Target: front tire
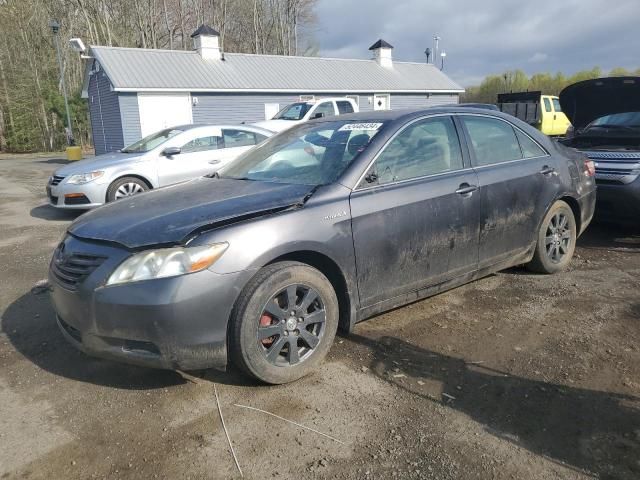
[(125, 187), (284, 322), (556, 240)]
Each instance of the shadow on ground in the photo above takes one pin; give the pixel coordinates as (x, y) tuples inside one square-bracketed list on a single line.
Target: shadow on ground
[(55, 161), (602, 235), (590, 430), (47, 212)]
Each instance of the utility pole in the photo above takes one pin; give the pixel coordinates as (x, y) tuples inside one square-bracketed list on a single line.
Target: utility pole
[(55, 28), (436, 40), (442, 56)]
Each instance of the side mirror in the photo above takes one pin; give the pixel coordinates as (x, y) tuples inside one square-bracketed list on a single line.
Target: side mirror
[(171, 151), (318, 115)]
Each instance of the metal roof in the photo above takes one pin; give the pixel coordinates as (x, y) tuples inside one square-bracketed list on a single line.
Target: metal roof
[(137, 69)]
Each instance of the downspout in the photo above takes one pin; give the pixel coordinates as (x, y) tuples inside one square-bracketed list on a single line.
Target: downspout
[(104, 137)]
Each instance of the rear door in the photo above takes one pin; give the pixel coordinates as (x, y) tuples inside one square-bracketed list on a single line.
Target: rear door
[(415, 213), (518, 182)]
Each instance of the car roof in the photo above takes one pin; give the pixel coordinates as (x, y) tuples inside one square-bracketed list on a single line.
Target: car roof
[(243, 126), (392, 115)]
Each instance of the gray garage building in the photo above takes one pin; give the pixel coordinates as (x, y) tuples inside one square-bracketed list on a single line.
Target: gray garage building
[(133, 92)]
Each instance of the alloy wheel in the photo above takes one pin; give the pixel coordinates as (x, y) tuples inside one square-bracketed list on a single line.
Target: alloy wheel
[(128, 189), (557, 238), (291, 325)]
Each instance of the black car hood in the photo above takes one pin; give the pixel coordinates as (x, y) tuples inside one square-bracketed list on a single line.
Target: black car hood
[(170, 215), (583, 102)]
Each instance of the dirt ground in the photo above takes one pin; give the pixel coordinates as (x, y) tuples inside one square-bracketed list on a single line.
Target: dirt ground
[(513, 376)]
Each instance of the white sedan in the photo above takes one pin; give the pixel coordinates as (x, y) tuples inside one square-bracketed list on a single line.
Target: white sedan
[(166, 157)]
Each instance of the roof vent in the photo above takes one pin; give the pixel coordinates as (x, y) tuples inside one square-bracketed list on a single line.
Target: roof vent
[(382, 53), (206, 41)]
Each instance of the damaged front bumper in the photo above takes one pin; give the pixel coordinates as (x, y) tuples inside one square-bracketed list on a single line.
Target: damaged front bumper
[(172, 323)]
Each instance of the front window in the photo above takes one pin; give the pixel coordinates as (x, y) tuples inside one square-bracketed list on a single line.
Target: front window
[(427, 147), (201, 144), (295, 111), (152, 141), (556, 105), (310, 154)]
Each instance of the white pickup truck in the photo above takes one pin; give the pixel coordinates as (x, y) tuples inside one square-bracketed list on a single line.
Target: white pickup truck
[(299, 112)]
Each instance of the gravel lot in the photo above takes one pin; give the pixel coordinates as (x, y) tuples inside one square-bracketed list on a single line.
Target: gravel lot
[(514, 376)]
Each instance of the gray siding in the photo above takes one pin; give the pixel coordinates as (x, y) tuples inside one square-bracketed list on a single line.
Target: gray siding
[(234, 107), (130, 118), (249, 108), (400, 101), (104, 108)]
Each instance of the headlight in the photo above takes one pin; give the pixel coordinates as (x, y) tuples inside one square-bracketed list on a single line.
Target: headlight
[(166, 262), (81, 178)]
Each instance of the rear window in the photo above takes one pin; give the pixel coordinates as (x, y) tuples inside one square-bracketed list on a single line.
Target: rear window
[(530, 149), (238, 138), (344, 107), (493, 140)]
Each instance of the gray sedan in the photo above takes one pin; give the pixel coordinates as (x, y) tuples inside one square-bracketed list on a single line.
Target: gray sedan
[(260, 263), (166, 157)]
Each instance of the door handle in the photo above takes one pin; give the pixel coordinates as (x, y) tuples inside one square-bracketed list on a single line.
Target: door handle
[(213, 162), (547, 170), (466, 189)]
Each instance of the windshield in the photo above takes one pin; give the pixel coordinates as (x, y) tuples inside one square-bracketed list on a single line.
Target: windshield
[(152, 141), (295, 111), (310, 154), (628, 119)]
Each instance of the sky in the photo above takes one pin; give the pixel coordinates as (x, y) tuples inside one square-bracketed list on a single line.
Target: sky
[(488, 36)]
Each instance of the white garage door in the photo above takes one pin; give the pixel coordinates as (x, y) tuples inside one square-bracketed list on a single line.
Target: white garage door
[(159, 111)]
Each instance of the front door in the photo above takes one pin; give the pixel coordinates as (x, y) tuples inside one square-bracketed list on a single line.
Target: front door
[(415, 214), (517, 182), (198, 156)]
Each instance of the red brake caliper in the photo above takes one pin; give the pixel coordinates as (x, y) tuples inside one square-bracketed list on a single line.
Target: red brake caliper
[(265, 321)]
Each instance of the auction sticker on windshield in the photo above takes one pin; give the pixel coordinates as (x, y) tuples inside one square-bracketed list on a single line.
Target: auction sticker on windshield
[(360, 126)]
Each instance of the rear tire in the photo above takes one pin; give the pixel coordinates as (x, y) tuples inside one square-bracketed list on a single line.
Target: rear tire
[(284, 323), (125, 187), (556, 240)]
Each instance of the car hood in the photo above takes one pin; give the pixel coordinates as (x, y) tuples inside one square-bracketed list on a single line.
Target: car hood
[(584, 102), (171, 215), (97, 163), (277, 125)]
